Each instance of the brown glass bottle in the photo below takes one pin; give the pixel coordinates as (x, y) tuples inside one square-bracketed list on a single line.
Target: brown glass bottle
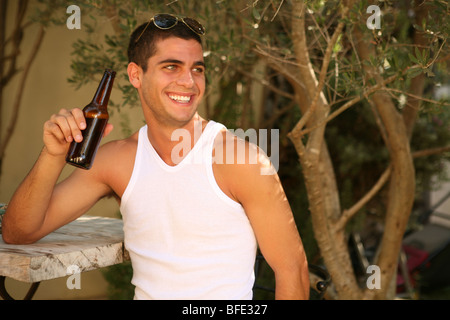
[(82, 154)]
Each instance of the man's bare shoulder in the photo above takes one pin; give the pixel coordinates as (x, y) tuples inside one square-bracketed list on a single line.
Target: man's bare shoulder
[(122, 145), (115, 161), (236, 153), (240, 165)]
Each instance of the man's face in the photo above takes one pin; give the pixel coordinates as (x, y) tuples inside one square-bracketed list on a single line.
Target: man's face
[(174, 83)]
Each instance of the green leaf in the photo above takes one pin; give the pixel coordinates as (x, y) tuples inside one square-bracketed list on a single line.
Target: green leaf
[(413, 72), (417, 52), (413, 58), (256, 14)]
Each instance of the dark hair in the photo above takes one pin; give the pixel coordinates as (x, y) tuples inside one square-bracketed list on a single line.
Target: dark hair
[(139, 52)]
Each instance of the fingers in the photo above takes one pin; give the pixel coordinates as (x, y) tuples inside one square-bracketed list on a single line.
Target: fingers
[(52, 130), (67, 125), (109, 127)]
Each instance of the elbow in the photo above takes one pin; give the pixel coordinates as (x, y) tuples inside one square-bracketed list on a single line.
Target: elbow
[(6, 234), (10, 236), (16, 233), (292, 282), (8, 239)]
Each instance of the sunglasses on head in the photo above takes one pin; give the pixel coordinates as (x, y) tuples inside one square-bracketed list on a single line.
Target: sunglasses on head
[(166, 21)]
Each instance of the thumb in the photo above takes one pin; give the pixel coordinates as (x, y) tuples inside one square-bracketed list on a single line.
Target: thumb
[(109, 127)]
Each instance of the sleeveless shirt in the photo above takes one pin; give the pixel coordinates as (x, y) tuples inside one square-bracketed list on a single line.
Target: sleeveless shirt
[(186, 238)]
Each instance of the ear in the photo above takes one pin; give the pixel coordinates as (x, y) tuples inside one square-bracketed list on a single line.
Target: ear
[(134, 74)]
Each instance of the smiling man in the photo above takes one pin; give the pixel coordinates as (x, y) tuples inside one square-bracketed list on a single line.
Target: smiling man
[(191, 227)]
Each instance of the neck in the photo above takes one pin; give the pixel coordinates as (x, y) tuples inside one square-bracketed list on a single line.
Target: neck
[(168, 139)]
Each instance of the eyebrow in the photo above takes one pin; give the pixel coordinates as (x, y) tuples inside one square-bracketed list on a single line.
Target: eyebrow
[(175, 61)]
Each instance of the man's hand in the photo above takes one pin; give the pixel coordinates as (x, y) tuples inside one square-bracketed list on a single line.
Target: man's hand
[(63, 128)]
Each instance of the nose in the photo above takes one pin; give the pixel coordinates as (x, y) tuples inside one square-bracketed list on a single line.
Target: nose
[(186, 79)]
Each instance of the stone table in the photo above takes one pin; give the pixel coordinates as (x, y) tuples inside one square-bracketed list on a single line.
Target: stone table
[(85, 244)]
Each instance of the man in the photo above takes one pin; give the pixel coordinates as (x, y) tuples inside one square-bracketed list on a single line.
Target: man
[(191, 226)]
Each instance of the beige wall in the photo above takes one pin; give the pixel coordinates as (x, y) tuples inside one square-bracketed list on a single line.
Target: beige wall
[(47, 90)]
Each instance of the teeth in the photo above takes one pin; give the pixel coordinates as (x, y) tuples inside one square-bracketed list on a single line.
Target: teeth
[(180, 98)]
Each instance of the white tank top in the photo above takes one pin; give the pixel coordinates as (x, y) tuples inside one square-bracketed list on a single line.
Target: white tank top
[(186, 238)]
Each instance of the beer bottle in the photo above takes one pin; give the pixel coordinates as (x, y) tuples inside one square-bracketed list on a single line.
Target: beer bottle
[(82, 154)]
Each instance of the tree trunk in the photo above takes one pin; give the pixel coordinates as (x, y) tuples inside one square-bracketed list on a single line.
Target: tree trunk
[(317, 167), (402, 179)]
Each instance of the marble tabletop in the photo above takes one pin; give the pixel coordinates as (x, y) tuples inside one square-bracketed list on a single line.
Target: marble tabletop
[(87, 243)]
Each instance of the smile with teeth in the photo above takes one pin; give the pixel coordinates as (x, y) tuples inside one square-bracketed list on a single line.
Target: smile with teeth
[(180, 98)]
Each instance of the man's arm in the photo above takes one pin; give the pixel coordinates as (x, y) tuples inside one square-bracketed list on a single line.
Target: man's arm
[(38, 207), (265, 203)]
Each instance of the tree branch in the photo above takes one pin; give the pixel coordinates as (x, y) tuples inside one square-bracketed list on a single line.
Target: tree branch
[(265, 83), (278, 64), (418, 98), (16, 37), (417, 83), (19, 94), (322, 75), (112, 14), (349, 213), (429, 152), (350, 103)]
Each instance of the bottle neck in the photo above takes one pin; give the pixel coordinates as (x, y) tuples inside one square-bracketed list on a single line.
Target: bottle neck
[(101, 97)]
